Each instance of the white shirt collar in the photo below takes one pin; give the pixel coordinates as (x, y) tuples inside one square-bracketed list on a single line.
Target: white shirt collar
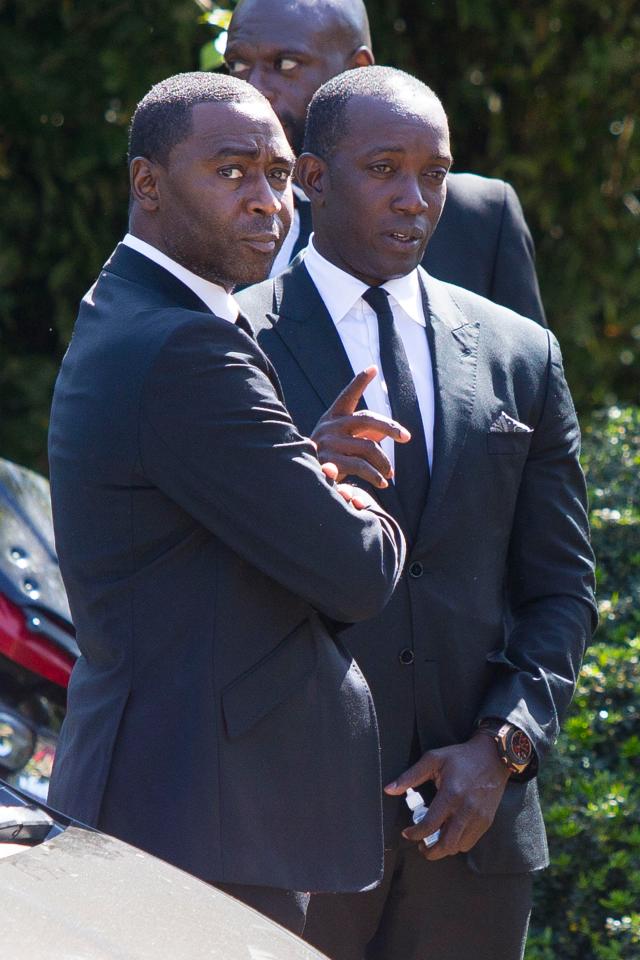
[(212, 294), (341, 291)]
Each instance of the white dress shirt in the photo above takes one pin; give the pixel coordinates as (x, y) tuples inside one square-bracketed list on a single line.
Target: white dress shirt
[(212, 294), (357, 327)]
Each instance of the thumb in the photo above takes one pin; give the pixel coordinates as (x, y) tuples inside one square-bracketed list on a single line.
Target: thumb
[(426, 768)]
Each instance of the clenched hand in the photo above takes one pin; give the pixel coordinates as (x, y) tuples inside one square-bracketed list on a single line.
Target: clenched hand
[(470, 779)]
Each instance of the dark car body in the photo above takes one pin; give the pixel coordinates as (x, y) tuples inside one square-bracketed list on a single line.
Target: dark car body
[(78, 894)]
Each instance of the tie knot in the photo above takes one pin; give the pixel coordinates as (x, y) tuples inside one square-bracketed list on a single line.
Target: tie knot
[(378, 300)]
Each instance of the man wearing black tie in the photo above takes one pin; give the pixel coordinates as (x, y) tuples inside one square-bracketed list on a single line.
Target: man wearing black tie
[(212, 718), (474, 661)]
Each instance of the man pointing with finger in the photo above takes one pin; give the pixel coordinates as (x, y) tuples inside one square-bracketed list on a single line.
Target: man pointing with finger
[(474, 660)]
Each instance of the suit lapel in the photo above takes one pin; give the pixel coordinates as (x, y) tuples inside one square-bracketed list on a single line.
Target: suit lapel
[(453, 343), (304, 324)]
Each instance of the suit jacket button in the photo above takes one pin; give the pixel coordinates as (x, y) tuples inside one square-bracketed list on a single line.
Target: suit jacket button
[(416, 569), (406, 656)]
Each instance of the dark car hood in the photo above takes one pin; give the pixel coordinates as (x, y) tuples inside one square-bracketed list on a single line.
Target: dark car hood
[(87, 896)]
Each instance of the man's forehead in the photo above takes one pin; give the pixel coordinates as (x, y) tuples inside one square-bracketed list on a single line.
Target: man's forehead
[(277, 26), (248, 123), (365, 112)]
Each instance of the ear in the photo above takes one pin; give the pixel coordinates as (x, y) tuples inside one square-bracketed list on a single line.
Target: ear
[(362, 57), (311, 173), (143, 180)]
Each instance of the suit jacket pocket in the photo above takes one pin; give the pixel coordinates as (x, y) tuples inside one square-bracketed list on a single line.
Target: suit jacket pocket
[(272, 680), (508, 442)]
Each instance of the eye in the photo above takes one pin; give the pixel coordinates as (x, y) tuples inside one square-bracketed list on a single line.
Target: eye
[(281, 175), (237, 66), (438, 176), (231, 173), (381, 168), (284, 64)]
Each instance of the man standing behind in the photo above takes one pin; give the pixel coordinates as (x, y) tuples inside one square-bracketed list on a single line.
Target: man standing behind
[(287, 49), (474, 661), (212, 719)]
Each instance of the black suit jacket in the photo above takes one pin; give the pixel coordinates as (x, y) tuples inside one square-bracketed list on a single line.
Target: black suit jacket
[(482, 243), (503, 537), (212, 718)]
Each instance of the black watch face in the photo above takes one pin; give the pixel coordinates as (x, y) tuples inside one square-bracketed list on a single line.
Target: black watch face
[(520, 747)]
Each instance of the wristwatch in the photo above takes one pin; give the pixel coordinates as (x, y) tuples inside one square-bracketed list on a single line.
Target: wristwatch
[(514, 746)]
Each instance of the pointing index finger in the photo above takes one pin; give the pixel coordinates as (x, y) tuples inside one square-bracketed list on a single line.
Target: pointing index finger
[(348, 399)]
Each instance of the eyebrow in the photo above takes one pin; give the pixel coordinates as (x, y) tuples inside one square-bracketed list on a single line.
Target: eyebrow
[(238, 47), (403, 149), (252, 152)]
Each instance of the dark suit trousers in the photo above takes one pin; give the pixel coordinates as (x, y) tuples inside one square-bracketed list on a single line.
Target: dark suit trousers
[(286, 907), (424, 910)]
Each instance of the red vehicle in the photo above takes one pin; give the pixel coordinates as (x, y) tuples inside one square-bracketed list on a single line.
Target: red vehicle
[(37, 640)]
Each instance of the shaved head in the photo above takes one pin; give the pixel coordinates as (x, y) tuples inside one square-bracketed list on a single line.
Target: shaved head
[(348, 16), (289, 48)]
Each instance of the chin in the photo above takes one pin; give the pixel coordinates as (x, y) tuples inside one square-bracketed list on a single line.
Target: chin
[(252, 275), (398, 267)]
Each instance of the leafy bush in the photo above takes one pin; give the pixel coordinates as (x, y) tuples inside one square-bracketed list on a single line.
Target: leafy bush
[(588, 902), (71, 74)]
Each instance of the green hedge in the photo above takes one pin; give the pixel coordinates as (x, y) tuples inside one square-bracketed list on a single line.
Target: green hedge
[(71, 73), (588, 902)]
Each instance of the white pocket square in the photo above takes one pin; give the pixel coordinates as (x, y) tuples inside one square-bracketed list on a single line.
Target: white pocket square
[(506, 424)]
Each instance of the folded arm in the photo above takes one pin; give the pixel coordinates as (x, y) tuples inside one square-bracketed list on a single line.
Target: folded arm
[(218, 441)]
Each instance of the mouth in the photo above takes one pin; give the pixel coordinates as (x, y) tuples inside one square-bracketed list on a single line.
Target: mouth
[(262, 242), (408, 239)]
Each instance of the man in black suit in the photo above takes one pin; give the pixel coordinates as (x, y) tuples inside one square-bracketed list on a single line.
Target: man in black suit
[(287, 49), (212, 718), (474, 661)]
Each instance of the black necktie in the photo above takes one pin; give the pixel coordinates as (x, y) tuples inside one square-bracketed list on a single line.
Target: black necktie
[(411, 462)]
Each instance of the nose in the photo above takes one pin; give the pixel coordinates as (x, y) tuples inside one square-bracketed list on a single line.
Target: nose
[(410, 198), (261, 78), (264, 200)]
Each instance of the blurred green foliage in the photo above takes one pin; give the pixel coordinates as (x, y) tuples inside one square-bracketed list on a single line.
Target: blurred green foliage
[(588, 902), (542, 93), (71, 73)]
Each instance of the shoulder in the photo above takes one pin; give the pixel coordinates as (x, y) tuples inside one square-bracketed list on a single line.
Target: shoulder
[(504, 332), (198, 338), (476, 193)]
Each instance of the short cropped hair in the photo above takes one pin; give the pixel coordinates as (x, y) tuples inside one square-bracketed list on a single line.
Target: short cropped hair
[(162, 119), (327, 113)]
